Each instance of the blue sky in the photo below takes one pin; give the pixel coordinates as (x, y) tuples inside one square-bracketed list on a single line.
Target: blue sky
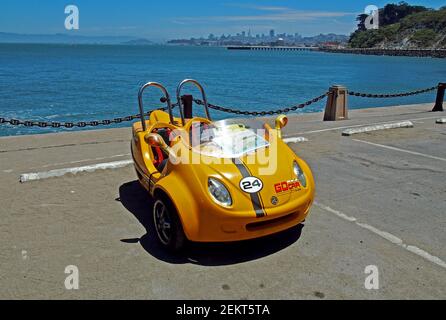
[(161, 20)]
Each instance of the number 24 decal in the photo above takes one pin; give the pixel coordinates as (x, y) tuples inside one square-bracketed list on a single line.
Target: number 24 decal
[(251, 184)]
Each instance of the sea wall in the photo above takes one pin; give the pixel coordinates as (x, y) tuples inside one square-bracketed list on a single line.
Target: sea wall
[(434, 53)]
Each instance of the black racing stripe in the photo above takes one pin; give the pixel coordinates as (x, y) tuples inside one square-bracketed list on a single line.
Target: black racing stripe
[(255, 197)]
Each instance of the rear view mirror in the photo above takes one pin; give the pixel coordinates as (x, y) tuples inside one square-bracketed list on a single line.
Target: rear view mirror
[(281, 122)]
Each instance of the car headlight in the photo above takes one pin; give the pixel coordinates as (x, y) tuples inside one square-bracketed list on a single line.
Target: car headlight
[(299, 174), (219, 192)]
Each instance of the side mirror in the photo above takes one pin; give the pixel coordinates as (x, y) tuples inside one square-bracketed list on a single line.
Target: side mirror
[(155, 140), (281, 122)]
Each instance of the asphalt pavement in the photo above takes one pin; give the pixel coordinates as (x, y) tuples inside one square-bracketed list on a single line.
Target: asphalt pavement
[(381, 202)]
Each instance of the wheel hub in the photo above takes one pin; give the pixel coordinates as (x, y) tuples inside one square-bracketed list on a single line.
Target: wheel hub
[(162, 222)]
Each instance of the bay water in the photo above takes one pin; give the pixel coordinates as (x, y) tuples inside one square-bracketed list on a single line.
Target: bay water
[(95, 82)]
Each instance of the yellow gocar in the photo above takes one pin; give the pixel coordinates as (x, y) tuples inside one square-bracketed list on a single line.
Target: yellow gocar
[(217, 181)]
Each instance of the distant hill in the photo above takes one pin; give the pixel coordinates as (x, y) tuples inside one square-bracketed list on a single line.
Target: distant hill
[(322, 38), (68, 39), (138, 42), (403, 26)]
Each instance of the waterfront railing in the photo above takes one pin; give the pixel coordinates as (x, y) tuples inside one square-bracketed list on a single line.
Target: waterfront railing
[(336, 108)]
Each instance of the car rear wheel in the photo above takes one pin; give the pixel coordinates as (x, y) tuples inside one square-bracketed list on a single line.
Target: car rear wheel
[(168, 225)]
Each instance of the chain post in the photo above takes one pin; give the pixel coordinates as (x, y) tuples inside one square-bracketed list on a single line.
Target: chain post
[(440, 97), (187, 101), (337, 104)]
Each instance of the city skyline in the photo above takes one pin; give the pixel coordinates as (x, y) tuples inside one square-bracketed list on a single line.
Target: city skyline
[(176, 19), (270, 38)]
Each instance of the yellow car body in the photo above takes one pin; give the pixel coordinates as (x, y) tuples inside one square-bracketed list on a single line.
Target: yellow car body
[(282, 202)]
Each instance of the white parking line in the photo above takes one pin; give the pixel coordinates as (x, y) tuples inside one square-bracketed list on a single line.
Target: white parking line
[(359, 125), (80, 161), (26, 177), (377, 127), (400, 150), (386, 235), (295, 140)]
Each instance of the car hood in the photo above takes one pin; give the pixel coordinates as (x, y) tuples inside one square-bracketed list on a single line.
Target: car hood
[(278, 172)]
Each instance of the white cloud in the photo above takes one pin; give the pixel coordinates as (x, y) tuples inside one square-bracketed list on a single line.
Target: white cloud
[(257, 7), (270, 8), (285, 16)]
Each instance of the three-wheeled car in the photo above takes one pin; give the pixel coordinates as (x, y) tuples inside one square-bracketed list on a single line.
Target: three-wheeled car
[(217, 181)]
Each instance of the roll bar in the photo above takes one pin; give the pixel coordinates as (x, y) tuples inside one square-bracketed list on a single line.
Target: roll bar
[(141, 108), (203, 94)]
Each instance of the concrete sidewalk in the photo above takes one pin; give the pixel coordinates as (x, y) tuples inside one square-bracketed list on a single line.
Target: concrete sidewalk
[(381, 200)]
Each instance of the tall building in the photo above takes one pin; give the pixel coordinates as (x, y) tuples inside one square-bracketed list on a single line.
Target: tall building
[(272, 33)]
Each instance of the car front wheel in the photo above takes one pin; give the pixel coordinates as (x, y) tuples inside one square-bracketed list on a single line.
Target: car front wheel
[(168, 225)]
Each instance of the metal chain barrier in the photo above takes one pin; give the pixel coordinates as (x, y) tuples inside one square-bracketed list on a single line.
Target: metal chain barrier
[(81, 124), (106, 122), (392, 95), (263, 113)]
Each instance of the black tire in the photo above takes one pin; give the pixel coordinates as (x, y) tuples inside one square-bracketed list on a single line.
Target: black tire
[(171, 237)]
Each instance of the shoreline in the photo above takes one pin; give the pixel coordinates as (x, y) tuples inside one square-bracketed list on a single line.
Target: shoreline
[(421, 53)]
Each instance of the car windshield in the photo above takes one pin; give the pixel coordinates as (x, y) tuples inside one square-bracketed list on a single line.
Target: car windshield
[(227, 138)]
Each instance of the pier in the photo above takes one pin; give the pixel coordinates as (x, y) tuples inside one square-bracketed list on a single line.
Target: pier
[(380, 201), (275, 48)]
